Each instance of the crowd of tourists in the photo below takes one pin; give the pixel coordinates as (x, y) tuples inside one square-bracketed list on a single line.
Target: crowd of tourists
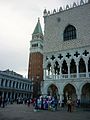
[(45, 103), (52, 104)]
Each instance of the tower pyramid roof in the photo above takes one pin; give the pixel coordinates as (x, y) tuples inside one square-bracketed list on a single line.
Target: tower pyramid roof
[(38, 28)]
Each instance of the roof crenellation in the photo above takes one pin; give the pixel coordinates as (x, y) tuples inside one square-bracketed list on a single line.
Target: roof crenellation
[(82, 2)]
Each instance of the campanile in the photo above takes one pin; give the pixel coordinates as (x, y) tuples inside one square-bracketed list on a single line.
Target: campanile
[(35, 68)]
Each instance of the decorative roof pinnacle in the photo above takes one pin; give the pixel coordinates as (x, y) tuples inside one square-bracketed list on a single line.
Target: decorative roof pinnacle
[(82, 2)]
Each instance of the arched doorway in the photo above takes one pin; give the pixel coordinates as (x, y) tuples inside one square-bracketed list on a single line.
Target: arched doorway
[(52, 90), (69, 92), (85, 97)]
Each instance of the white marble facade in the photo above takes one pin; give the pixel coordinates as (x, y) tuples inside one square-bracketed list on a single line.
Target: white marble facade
[(66, 62)]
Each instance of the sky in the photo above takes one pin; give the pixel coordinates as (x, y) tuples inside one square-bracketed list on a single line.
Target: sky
[(18, 19)]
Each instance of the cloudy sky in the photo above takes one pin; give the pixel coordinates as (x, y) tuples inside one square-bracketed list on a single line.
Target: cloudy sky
[(18, 19)]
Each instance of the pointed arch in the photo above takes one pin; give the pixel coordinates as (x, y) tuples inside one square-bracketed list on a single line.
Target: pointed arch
[(82, 66), (69, 92), (64, 67), (48, 68), (69, 33), (52, 90), (56, 67), (48, 62), (72, 66), (85, 96)]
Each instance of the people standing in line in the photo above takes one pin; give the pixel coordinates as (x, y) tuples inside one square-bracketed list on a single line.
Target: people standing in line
[(69, 104)]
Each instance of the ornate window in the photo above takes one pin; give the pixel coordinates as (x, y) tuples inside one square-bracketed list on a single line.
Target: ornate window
[(10, 83), (69, 33), (2, 82)]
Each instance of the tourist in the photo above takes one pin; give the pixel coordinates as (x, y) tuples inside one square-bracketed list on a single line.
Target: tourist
[(69, 104)]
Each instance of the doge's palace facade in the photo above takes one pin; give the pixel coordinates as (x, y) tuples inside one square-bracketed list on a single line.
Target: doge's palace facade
[(66, 52)]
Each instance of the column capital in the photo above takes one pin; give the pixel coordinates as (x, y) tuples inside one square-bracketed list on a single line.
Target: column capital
[(77, 63), (68, 64)]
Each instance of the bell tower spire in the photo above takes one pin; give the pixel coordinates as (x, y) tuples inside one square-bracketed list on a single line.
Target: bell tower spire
[(37, 39), (35, 69)]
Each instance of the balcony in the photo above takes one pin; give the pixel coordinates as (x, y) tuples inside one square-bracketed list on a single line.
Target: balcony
[(66, 76)]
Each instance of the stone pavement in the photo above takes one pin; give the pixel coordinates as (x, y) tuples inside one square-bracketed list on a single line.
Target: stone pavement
[(23, 112)]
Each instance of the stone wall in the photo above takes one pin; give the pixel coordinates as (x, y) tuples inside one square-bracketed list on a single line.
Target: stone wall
[(55, 25)]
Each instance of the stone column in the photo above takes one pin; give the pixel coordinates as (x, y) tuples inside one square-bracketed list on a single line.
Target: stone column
[(61, 97), (48, 72), (77, 70), (11, 95), (68, 70), (87, 70), (60, 71), (78, 99), (60, 100), (52, 69), (44, 73), (15, 84), (79, 96)]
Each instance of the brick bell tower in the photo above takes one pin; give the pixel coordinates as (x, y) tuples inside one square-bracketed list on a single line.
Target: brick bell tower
[(35, 69)]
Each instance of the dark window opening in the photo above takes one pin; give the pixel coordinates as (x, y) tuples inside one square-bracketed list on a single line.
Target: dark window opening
[(69, 33)]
